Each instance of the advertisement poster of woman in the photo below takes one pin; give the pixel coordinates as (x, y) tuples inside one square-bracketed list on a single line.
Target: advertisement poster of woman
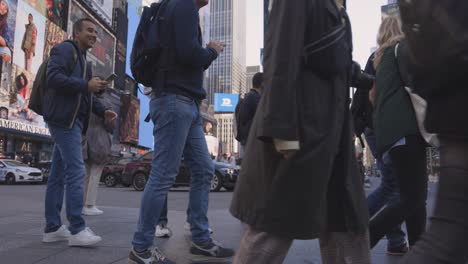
[(7, 24), (30, 37)]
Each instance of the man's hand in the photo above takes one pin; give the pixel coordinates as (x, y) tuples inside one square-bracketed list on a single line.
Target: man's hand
[(110, 115), (218, 46), (96, 85)]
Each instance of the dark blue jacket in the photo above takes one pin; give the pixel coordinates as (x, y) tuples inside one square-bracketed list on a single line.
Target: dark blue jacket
[(66, 88), (246, 114), (188, 59)]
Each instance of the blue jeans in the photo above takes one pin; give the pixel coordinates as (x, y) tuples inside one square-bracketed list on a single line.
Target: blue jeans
[(162, 220), (387, 193), (177, 131), (67, 171)]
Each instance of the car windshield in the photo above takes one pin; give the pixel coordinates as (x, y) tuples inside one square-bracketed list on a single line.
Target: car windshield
[(123, 161), (12, 163)]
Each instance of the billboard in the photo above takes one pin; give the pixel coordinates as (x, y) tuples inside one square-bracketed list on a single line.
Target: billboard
[(225, 102), (129, 119), (29, 35), (102, 55), (103, 8)]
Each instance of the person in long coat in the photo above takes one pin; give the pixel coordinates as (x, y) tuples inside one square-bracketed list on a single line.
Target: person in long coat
[(299, 178)]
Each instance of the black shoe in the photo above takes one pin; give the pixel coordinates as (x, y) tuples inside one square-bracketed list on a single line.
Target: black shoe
[(148, 257), (211, 249), (397, 251)]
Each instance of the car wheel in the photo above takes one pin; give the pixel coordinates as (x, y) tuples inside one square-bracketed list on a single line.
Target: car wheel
[(110, 180), (139, 182), (216, 183), (10, 179)]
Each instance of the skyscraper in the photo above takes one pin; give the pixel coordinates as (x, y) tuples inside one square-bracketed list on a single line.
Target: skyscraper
[(227, 24), (227, 73)]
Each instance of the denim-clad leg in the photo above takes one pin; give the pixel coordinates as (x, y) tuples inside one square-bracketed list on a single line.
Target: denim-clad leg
[(173, 117), (386, 194), (202, 169), (67, 171)]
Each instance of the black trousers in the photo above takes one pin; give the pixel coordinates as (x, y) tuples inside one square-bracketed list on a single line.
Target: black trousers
[(446, 240), (409, 164)]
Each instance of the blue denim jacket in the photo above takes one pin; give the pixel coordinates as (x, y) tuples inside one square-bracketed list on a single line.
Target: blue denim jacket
[(65, 90)]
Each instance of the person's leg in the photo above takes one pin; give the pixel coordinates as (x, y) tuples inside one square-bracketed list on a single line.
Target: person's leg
[(163, 216), (387, 193), (87, 180), (172, 121), (447, 237), (68, 144), (93, 184), (54, 193), (342, 248), (409, 166), (262, 248), (202, 169)]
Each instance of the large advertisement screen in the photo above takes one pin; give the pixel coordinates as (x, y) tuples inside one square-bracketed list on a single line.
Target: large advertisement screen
[(225, 103), (390, 10), (103, 54), (103, 8), (129, 119)]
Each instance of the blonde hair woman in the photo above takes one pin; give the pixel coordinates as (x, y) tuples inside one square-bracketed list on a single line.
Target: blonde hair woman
[(398, 136)]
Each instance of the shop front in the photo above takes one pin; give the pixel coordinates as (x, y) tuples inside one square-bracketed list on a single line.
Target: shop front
[(28, 143)]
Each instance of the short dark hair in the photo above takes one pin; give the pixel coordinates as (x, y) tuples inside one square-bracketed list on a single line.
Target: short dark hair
[(257, 80), (78, 25)]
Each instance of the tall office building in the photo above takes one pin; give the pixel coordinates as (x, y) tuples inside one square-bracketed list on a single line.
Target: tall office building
[(227, 73), (227, 24)]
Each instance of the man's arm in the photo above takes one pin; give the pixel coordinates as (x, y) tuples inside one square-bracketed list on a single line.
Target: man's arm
[(61, 56), (188, 49)]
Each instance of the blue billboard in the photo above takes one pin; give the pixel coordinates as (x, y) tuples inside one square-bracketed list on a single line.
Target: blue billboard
[(225, 103)]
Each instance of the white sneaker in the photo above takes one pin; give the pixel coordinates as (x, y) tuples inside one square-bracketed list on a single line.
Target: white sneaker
[(188, 227), (163, 231), (84, 238), (60, 235), (91, 211)]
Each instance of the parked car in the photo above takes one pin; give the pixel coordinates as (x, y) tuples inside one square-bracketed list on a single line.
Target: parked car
[(112, 173), (12, 171), (136, 173)]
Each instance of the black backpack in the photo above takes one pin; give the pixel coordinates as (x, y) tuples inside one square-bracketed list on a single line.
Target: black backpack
[(40, 82), (147, 47), (436, 31)]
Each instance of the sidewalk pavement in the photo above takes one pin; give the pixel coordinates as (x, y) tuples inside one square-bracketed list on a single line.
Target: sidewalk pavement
[(21, 234)]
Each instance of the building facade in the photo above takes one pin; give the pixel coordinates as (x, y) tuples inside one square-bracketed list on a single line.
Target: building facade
[(227, 73), (23, 132), (227, 24)]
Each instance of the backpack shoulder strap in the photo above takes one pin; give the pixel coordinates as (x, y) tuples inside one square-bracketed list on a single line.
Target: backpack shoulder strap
[(72, 65)]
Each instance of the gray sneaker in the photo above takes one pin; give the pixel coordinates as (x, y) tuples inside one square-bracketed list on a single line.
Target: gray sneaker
[(148, 257)]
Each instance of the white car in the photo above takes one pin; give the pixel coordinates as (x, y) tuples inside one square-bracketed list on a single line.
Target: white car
[(12, 171)]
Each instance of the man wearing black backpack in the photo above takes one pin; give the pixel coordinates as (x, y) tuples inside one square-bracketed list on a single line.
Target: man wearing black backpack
[(246, 110), (178, 131), (66, 107)]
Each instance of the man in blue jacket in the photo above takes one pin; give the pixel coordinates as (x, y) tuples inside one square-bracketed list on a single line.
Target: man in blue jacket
[(178, 131), (67, 105)]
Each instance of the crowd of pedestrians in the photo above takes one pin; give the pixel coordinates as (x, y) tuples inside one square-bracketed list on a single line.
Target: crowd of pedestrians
[(300, 177)]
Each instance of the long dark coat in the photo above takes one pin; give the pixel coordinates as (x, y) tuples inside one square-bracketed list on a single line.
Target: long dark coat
[(319, 190)]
